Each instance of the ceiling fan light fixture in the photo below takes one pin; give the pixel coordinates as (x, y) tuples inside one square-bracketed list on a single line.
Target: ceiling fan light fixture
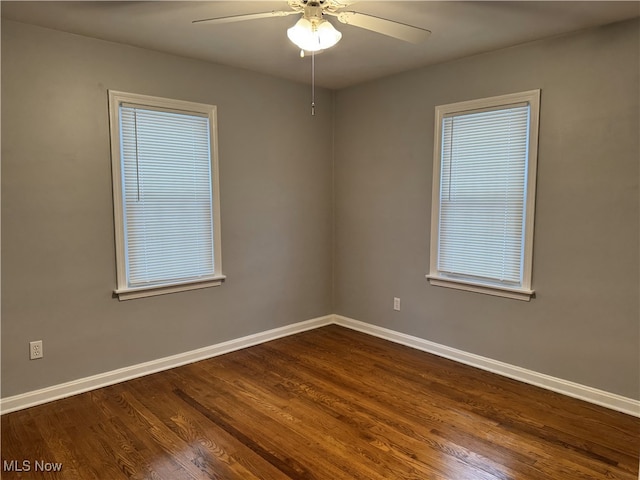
[(313, 35)]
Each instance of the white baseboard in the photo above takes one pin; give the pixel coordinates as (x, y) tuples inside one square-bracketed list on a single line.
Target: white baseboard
[(56, 392), (571, 389)]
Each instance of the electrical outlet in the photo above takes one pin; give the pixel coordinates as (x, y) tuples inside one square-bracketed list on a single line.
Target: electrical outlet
[(396, 303), (35, 350)]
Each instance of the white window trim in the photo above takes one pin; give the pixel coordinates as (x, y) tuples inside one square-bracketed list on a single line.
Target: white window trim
[(123, 291), (525, 292)]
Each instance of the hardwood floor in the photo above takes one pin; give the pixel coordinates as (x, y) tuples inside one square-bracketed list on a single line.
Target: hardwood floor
[(326, 404)]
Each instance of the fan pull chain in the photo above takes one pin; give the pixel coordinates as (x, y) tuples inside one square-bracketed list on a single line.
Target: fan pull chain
[(313, 83)]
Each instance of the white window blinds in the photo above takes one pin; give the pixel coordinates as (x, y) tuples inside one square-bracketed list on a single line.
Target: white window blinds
[(166, 194), (483, 188)]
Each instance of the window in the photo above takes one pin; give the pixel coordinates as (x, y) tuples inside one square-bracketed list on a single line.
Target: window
[(484, 174), (166, 198)]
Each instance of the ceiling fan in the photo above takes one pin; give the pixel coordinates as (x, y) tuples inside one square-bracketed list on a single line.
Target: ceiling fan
[(314, 33)]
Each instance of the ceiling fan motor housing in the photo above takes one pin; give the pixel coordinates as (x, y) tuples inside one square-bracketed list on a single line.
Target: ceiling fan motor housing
[(313, 12)]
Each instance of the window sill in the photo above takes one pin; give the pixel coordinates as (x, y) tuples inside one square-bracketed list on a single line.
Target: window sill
[(514, 293), (150, 291)]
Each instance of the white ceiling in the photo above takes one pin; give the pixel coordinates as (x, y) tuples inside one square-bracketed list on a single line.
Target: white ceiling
[(459, 29)]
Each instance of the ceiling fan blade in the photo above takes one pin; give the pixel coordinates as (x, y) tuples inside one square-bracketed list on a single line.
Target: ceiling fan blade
[(249, 16), (398, 30)]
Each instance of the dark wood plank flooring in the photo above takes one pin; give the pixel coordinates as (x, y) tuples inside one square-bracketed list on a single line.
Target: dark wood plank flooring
[(326, 404)]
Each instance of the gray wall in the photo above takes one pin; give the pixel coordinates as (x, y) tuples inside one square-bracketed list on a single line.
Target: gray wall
[(58, 260), (583, 324)]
